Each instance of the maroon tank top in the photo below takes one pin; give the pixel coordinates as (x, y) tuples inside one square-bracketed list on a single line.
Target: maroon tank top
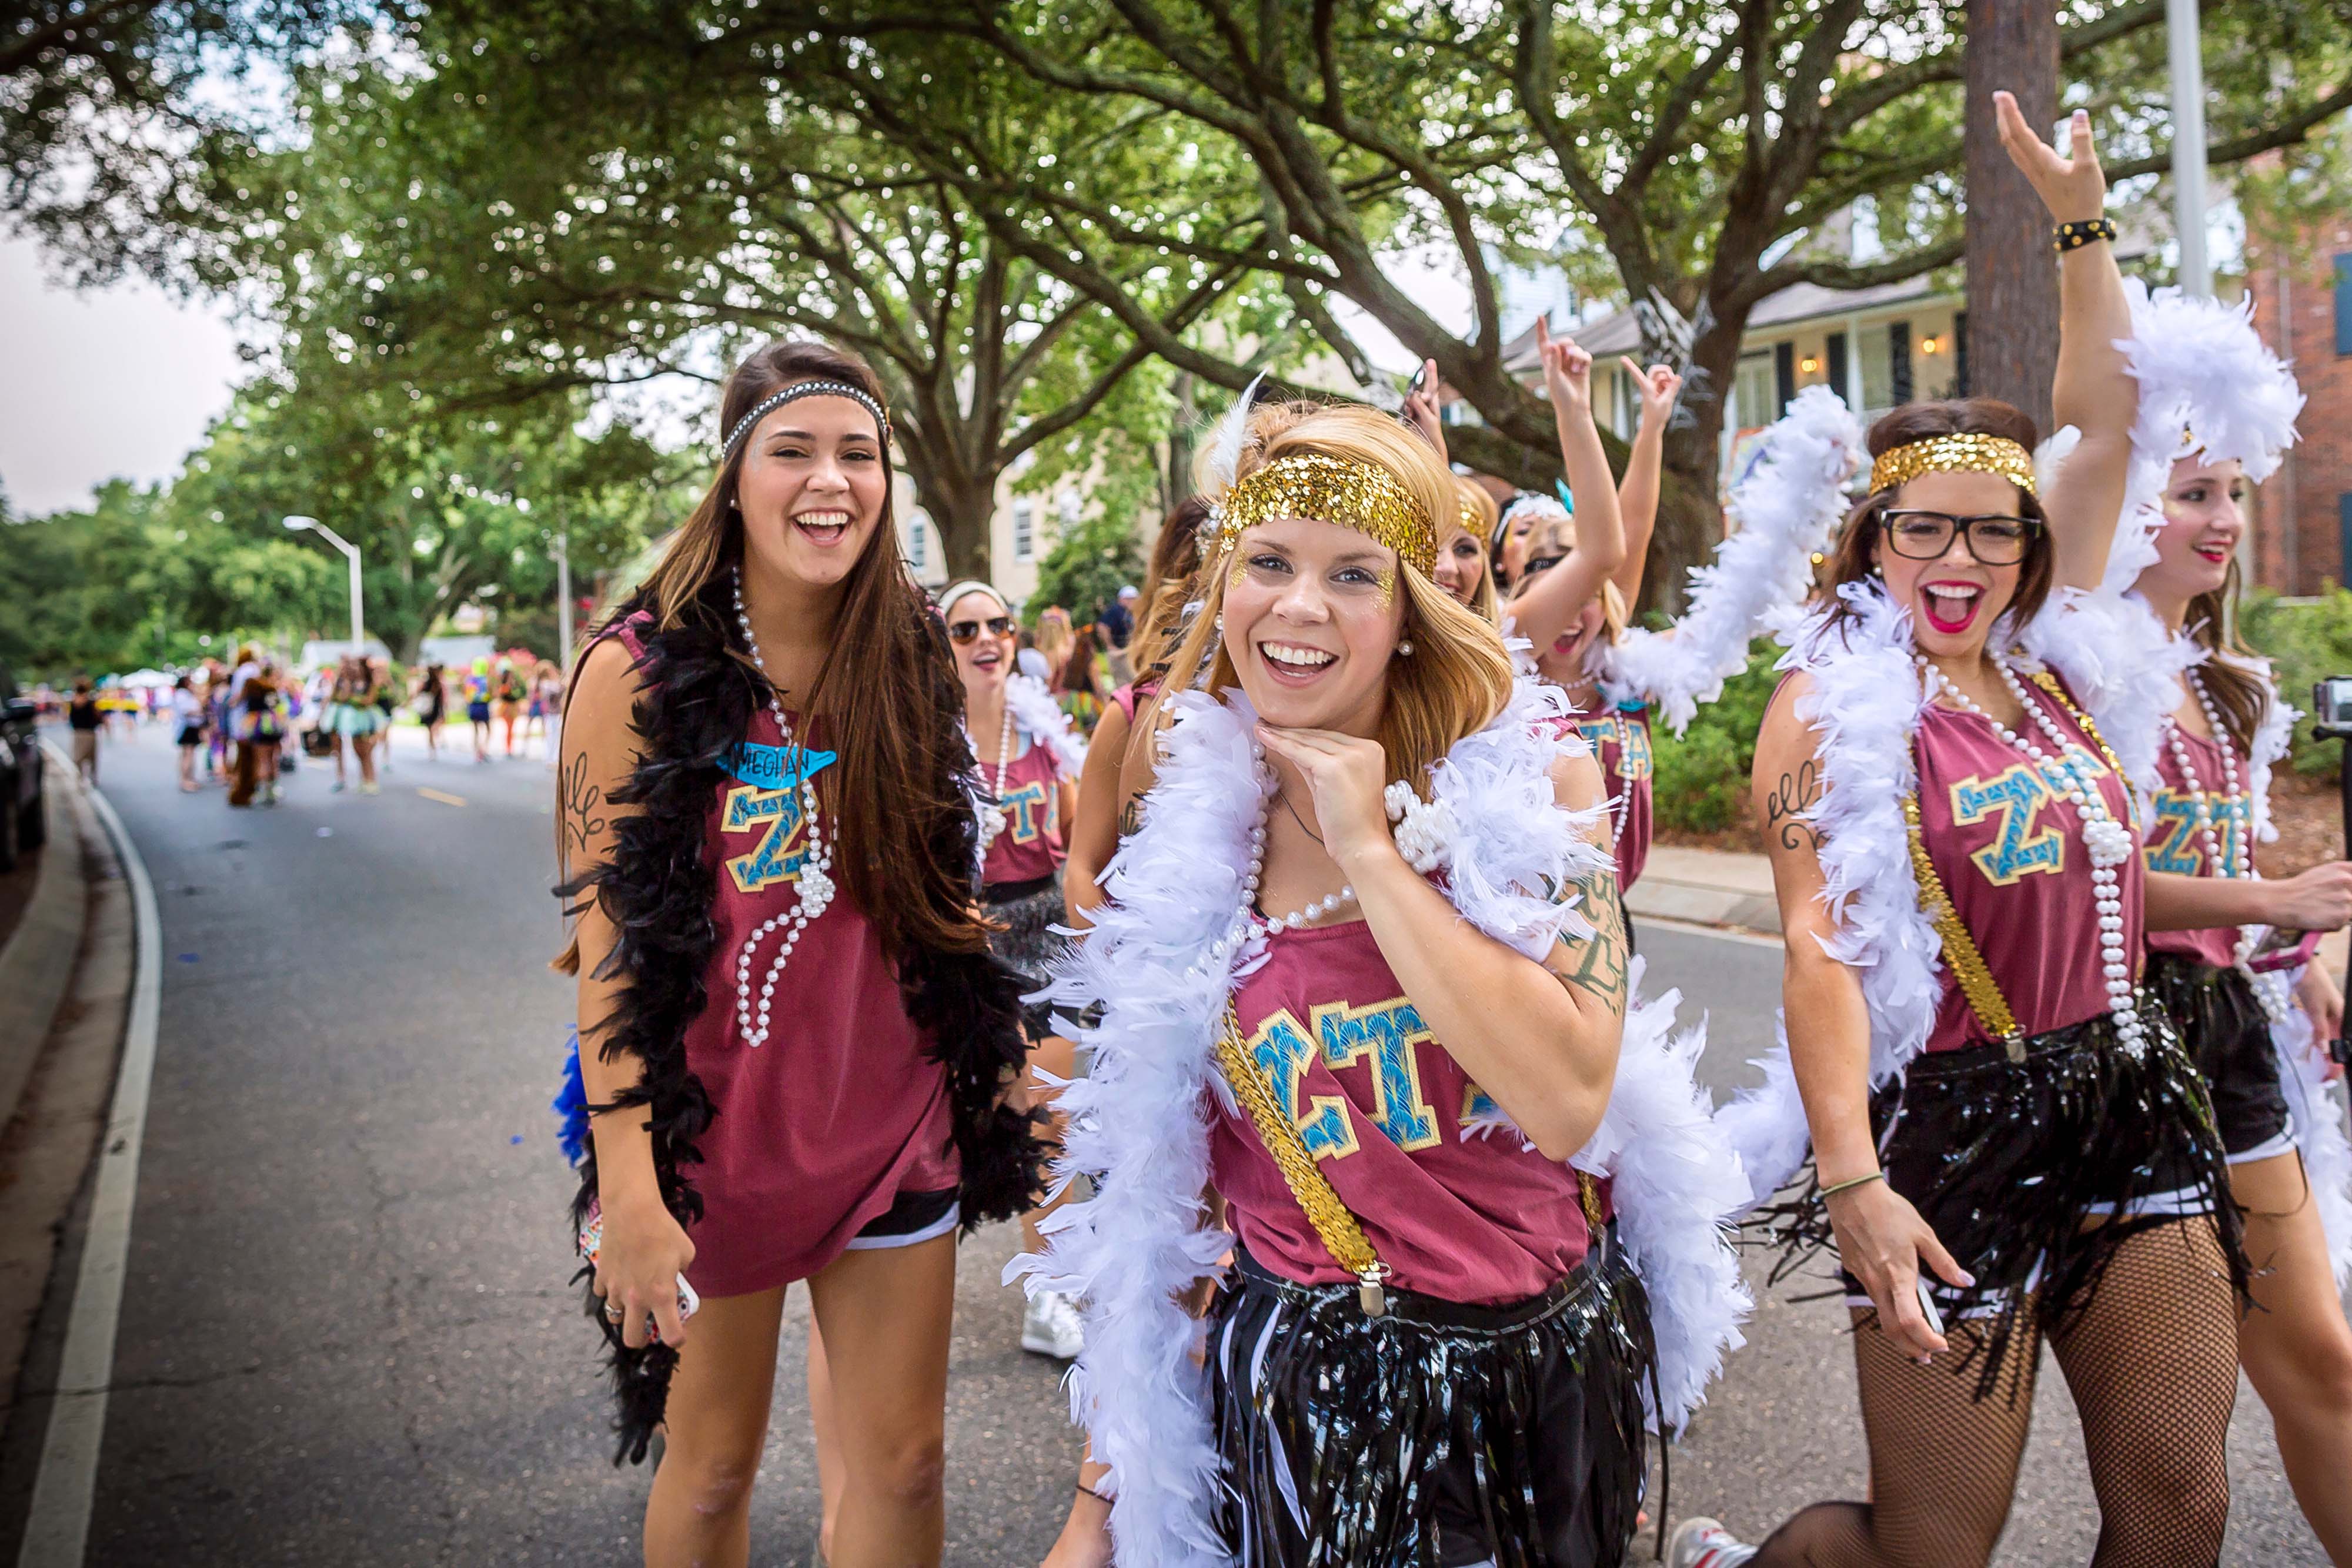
[(1620, 738), (2175, 845), (819, 1129), (1383, 1107), (2009, 852), (1031, 844)]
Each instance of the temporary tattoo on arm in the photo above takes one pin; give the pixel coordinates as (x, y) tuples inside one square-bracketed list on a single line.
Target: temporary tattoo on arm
[(581, 803), (1130, 818), (1788, 812), (1597, 963)]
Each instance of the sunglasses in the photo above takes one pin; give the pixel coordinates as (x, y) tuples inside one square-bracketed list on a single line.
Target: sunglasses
[(965, 631)]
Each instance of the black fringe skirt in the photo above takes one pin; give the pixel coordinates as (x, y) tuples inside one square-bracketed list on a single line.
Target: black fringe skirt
[(1027, 942), (1434, 1436), (2031, 1168)]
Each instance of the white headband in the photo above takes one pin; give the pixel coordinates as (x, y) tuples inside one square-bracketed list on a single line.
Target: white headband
[(793, 393), (955, 591)]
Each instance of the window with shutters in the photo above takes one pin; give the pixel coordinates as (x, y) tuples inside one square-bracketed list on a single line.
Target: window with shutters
[(1024, 530), (918, 542), (1756, 391)]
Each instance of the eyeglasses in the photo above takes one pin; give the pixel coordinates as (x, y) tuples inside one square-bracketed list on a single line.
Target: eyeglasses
[(1994, 539), (1538, 565), (965, 631)]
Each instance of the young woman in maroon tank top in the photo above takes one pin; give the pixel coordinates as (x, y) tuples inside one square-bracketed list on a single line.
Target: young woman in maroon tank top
[(2017, 1128), (2205, 910), (801, 1060), (1324, 1431)]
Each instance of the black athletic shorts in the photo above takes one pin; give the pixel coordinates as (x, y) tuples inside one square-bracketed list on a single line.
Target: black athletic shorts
[(2227, 1035)]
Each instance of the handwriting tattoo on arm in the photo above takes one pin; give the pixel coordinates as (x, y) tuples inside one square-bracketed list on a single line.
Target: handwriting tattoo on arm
[(582, 803), (1788, 811), (1598, 964)]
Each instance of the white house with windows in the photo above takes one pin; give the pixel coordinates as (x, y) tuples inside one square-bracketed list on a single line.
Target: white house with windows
[(1023, 531)]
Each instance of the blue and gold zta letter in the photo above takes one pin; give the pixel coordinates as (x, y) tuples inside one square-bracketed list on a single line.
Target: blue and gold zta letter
[(1388, 1033), (2017, 795), (775, 816), (2181, 850)]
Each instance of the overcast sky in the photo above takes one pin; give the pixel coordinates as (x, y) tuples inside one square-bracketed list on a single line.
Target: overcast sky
[(117, 382)]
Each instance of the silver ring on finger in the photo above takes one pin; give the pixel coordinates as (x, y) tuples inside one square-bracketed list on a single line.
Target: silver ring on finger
[(614, 1312)]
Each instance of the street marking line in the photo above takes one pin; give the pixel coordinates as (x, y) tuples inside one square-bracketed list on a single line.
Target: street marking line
[(56, 1532), (446, 799)]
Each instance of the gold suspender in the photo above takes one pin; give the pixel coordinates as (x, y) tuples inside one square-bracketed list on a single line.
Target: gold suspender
[(1969, 968), (1960, 952), (1341, 1235)]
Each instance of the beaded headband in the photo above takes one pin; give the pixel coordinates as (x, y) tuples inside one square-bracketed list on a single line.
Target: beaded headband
[(1354, 495), (1969, 453), (793, 393)]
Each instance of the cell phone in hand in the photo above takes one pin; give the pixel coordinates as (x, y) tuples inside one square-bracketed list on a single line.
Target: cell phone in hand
[(1928, 1306), (2283, 947), (1419, 375), (592, 1242)]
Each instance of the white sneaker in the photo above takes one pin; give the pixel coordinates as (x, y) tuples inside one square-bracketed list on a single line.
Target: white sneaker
[(1050, 1326), (1704, 1544)]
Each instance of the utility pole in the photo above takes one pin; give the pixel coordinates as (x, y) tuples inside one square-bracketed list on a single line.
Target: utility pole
[(563, 596), (2012, 275), (2189, 146)]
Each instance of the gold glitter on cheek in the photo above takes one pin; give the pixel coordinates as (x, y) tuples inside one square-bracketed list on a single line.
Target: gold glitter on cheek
[(1384, 584), (1238, 574)]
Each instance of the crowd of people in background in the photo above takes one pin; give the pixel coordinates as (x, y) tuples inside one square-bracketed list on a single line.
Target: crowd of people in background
[(247, 722)]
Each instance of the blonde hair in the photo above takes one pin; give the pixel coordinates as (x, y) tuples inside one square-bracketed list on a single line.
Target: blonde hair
[(1477, 516), (1560, 533), (1056, 636), (1457, 677)]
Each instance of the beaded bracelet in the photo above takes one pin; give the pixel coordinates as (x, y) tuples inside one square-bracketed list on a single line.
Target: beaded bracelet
[(2089, 231)]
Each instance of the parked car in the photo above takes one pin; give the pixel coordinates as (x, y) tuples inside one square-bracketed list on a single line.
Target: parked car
[(21, 824)]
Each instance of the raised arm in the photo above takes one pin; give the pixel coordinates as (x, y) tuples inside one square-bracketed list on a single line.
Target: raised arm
[(1093, 821), (2094, 391), (644, 1248), (1637, 492), (1881, 1238), (1552, 600)]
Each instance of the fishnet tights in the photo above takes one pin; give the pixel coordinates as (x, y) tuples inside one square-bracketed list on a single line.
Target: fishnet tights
[(2152, 1363)]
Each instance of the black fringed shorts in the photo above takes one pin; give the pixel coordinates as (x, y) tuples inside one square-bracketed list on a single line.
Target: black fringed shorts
[(1028, 945), (1437, 1436), (2033, 1170), (2227, 1035)]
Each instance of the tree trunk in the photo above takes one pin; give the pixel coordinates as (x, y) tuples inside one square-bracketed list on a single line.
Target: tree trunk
[(960, 518), (1176, 479), (2011, 340), (1690, 508)]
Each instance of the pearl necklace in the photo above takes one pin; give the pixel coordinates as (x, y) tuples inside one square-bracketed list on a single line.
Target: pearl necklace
[(814, 885), (2270, 989), (991, 810), (2109, 843)]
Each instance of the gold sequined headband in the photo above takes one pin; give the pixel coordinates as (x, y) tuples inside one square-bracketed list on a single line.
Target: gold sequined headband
[(1326, 489), (1968, 452)]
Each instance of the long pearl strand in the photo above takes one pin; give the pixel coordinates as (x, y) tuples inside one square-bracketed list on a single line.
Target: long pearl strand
[(991, 810), (2109, 843), (814, 885), (2270, 989)]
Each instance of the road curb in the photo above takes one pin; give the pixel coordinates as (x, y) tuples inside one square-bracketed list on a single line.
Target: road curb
[(38, 964)]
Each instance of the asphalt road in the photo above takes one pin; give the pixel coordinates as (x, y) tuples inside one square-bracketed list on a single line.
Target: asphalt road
[(347, 1337)]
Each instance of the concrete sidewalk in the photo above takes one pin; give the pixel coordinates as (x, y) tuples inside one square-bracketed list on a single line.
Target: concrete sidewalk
[(1706, 887)]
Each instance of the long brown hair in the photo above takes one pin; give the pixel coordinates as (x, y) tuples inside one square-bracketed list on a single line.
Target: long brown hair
[(1850, 560), (882, 691), (1168, 581), (2229, 678)]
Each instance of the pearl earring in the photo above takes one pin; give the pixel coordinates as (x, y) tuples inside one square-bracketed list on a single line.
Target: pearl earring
[(1221, 624), (1405, 649)]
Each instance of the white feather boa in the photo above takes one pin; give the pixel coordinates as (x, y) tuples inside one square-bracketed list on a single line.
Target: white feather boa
[(1865, 704), (2317, 1107), (1035, 711), (1793, 494), (1164, 954)]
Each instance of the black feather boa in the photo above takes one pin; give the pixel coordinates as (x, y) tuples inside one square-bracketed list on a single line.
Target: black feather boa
[(658, 889)]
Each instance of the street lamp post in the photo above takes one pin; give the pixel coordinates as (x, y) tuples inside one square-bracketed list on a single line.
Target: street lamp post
[(351, 554), (2188, 145), (563, 593)]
